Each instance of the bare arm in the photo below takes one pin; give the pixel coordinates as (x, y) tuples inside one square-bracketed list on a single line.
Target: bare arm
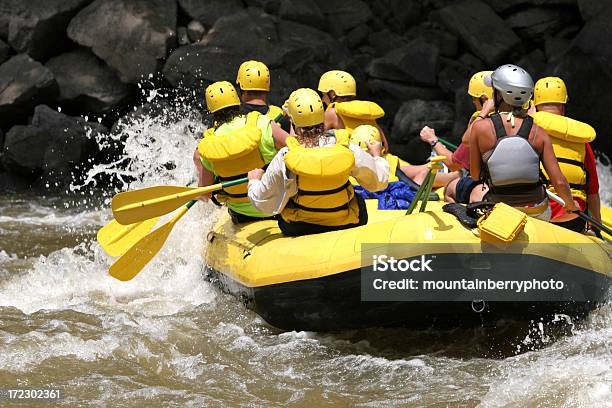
[(428, 135), (594, 203), (279, 136), (205, 177), (385, 143), (477, 130), (332, 121)]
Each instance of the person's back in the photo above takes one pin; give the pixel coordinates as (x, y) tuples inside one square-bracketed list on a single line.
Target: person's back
[(307, 183), (506, 149), (236, 144), (570, 140)]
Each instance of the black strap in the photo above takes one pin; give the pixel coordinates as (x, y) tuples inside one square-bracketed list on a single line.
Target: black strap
[(525, 128), (231, 178), (293, 204), (500, 130), (570, 161), (232, 195), (324, 192)]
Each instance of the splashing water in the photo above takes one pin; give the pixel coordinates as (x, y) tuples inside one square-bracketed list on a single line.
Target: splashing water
[(168, 338)]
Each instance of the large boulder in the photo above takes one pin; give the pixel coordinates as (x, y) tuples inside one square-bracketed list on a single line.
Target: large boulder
[(40, 29), (143, 32), (481, 29), (342, 15), (385, 40), (587, 83), (379, 88), (302, 11), (447, 43), (502, 6), (399, 64), (23, 83), (4, 51), (398, 14), (208, 12), (409, 121), (595, 39), (535, 23), (86, 84), (592, 8), (53, 146), (301, 52), (222, 51)]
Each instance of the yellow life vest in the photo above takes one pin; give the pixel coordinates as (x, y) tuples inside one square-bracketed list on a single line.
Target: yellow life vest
[(393, 166), (568, 137), (355, 113), (274, 111), (325, 196), (233, 155)]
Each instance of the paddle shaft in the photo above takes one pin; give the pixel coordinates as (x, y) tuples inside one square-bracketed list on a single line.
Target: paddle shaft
[(448, 144), (582, 215), (191, 194)]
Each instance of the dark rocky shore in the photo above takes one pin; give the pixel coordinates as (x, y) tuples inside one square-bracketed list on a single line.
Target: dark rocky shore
[(71, 68)]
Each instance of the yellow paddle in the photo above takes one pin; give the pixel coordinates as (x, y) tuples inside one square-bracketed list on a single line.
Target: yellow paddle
[(138, 205), (116, 239), (143, 251)]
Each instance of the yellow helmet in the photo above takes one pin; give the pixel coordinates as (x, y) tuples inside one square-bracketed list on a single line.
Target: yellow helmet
[(305, 108), (253, 76), (364, 134), (477, 87), (221, 95), (550, 90), (342, 83)]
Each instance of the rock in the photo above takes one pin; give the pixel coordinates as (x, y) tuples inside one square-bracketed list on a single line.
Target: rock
[(464, 108), (54, 145), (382, 89), (453, 75), (595, 39), (385, 40), (208, 12), (195, 30), (40, 29), (24, 151), (447, 43), (12, 183), (399, 64), (4, 51), (398, 14), (85, 83), (143, 31), (357, 36), (221, 51), (415, 114), (501, 6), (534, 63), (342, 15), (181, 35), (534, 23), (269, 6), (23, 83), (588, 81), (592, 8), (555, 48), (303, 11), (483, 31)]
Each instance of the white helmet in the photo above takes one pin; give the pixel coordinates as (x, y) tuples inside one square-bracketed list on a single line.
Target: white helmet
[(514, 83)]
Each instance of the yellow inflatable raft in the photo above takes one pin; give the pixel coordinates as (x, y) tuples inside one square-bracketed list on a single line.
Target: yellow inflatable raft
[(315, 283)]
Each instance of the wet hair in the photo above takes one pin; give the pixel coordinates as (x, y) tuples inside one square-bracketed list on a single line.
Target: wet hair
[(256, 94), (309, 136), (225, 115)]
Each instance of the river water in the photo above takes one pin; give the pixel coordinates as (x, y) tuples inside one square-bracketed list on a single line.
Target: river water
[(168, 338)]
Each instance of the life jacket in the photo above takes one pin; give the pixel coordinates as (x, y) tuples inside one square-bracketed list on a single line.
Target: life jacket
[(356, 113), (394, 166), (233, 154), (512, 167), (325, 196), (569, 138)]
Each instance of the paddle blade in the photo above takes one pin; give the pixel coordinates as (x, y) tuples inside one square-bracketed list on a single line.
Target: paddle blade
[(139, 205), (116, 239), (139, 255)]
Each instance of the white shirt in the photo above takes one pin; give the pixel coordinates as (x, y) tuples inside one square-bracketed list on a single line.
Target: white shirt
[(270, 194)]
